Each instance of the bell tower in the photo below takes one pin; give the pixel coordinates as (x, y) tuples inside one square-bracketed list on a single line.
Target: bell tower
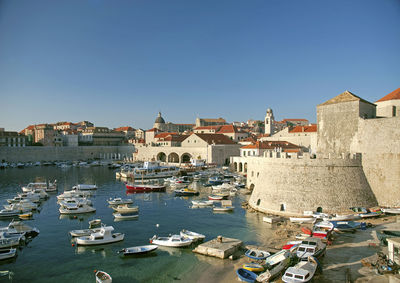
[(269, 122)]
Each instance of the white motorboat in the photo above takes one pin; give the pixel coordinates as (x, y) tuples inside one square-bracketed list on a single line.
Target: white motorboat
[(192, 235), (94, 227), (391, 210), (311, 247), (138, 250), (223, 187), (102, 277), (175, 241), (118, 201), (76, 201), (74, 194), (125, 216), (223, 208), (274, 265), (4, 213), (48, 187), (76, 209), (84, 187), (20, 227), (33, 197), (202, 202), (104, 236), (346, 217), (324, 225), (22, 206), (302, 271), (10, 240), (126, 208), (302, 219), (7, 253)]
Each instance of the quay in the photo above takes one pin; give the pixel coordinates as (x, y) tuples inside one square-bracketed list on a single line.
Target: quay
[(221, 247)]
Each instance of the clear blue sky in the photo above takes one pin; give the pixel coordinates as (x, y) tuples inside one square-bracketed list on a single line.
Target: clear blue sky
[(118, 63)]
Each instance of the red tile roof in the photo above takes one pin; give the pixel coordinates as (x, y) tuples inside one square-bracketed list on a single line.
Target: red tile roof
[(227, 129), (123, 129), (391, 96), (153, 130), (215, 138), (286, 146), (306, 129), (164, 135), (176, 138)]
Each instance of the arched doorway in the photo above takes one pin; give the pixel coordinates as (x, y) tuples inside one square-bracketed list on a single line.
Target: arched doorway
[(161, 156), (173, 157), (240, 167), (185, 158), (235, 166), (245, 167)]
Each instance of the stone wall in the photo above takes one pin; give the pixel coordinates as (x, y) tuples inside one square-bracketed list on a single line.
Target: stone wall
[(290, 186), (44, 153), (378, 140)]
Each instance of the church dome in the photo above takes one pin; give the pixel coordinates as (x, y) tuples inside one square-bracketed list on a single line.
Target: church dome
[(159, 119)]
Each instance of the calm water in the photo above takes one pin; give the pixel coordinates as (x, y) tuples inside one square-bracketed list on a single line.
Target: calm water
[(50, 257)]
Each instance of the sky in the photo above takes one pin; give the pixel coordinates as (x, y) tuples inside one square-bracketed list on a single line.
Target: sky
[(117, 63)]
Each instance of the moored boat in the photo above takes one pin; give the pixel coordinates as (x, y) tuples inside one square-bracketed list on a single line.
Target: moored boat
[(302, 219), (257, 254), (84, 187), (126, 216), (253, 267), (192, 235), (134, 187), (202, 202), (311, 246), (104, 236), (7, 253), (186, 192), (171, 241), (126, 208), (102, 277), (274, 265), (246, 275), (302, 271), (138, 250), (76, 209), (118, 201)]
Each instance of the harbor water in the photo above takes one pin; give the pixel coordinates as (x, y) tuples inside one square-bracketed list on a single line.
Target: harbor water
[(52, 257)]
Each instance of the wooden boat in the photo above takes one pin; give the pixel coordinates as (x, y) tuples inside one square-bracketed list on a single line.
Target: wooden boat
[(186, 192), (138, 250), (102, 277), (126, 216), (134, 187), (246, 275), (257, 254), (192, 235), (291, 245), (126, 208), (274, 265), (118, 201), (104, 236), (302, 271), (302, 219), (306, 231), (7, 253), (383, 235), (253, 267), (324, 225), (311, 246), (171, 241)]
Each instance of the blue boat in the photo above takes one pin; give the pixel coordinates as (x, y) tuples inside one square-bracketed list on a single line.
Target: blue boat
[(257, 254), (246, 275), (343, 226)]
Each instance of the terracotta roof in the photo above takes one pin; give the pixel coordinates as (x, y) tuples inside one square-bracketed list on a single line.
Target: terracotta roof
[(346, 96), (123, 129), (286, 146), (152, 130), (176, 138), (215, 138), (249, 139), (391, 96), (164, 135), (225, 129), (306, 129), (288, 120)]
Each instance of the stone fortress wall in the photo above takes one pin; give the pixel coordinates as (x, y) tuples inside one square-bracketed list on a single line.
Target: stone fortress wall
[(47, 153), (289, 186)]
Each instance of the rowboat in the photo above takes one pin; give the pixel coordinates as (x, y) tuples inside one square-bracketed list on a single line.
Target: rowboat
[(246, 275), (138, 250), (343, 226), (27, 215), (253, 267), (274, 265), (257, 254), (171, 241), (346, 217), (192, 235), (84, 187), (391, 210), (102, 277), (133, 187), (223, 208), (215, 197)]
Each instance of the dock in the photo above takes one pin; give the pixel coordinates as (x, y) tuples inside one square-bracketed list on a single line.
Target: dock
[(220, 247)]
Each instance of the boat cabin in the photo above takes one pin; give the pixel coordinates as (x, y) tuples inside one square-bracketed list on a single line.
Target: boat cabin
[(296, 274), (309, 247), (394, 249), (105, 232)]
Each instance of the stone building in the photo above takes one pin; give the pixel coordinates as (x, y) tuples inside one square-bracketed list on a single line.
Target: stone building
[(161, 125), (47, 136), (389, 105), (357, 164), (100, 136), (12, 139), (200, 122)]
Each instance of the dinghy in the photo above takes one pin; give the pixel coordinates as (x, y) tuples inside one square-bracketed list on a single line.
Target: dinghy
[(302, 219), (257, 254), (246, 275), (104, 236), (138, 250), (391, 210), (102, 277), (223, 208), (27, 215), (171, 241), (216, 197), (192, 235)]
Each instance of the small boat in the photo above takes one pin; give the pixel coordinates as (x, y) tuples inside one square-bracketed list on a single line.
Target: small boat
[(246, 275), (257, 254), (311, 246), (126, 208), (302, 271), (338, 217), (291, 245), (344, 226), (84, 187), (223, 208), (20, 227), (27, 215), (102, 277), (186, 192), (302, 219), (76, 209), (202, 202), (192, 235), (215, 197), (391, 210), (306, 230), (138, 250), (4, 213), (134, 187), (324, 225), (75, 201), (118, 201), (74, 194), (253, 267), (95, 223), (274, 265), (126, 216), (7, 253), (104, 236), (10, 240), (171, 241)]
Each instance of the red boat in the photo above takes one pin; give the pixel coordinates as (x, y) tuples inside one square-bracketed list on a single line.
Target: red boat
[(144, 188)]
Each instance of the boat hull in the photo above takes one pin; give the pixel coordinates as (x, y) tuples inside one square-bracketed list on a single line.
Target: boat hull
[(145, 188), (86, 241)]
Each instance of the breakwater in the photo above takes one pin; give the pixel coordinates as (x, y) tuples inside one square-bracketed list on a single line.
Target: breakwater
[(36, 153)]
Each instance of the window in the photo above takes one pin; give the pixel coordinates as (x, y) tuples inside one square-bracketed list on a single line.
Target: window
[(258, 201)]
